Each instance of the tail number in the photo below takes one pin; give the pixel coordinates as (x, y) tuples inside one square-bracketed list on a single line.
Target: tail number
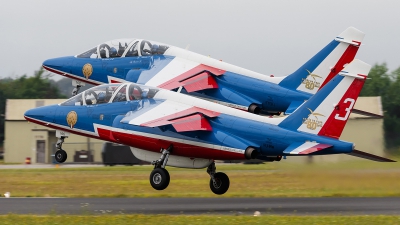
[(348, 109)]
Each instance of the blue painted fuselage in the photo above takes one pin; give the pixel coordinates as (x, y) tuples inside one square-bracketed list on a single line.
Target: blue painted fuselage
[(227, 131)]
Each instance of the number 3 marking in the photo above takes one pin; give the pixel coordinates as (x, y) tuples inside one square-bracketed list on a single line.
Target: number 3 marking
[(348, 109)]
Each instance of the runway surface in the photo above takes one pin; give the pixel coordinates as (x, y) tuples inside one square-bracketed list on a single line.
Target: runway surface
[(232, 206)]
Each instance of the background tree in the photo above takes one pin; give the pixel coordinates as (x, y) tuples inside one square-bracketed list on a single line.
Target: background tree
[(387, 86), (36, 87)]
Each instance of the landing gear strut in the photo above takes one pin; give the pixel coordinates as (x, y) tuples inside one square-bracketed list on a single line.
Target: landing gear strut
[(219, 182), (77, 85), (60, 154), (76, 90), (159, 177)]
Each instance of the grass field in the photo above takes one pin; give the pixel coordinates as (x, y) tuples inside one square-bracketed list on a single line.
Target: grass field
[(165, 219), (358, 179)]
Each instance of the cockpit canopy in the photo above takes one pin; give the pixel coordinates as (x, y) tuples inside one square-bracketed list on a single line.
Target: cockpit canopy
[(125, 48), (109, 93)]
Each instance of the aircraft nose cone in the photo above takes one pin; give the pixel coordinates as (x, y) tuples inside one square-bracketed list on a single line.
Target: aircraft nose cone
[(36, 113), (41, 115), (57, 64)]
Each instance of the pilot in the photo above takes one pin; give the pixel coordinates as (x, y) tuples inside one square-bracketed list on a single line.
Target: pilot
[(154, 49), (104, 97), (113, 52), (101, 98)]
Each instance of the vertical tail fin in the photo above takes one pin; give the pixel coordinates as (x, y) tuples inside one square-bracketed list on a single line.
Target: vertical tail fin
[(326, 112), (322, 67)]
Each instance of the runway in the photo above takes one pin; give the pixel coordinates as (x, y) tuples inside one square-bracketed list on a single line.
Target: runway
[(232, 206)]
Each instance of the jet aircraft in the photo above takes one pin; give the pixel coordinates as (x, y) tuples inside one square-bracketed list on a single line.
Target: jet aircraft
[(193, 132), (160, 65)]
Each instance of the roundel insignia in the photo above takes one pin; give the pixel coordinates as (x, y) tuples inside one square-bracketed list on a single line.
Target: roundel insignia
[(87, 70), (72, 118)]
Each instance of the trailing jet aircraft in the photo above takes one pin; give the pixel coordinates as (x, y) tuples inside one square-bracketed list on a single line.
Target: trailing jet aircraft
[(193, 132), (169, 67)]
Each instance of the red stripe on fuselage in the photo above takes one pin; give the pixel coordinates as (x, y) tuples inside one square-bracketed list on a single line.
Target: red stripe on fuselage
[(69, 76), (180, 149), (347, 57), (151, 144), (57, 127)]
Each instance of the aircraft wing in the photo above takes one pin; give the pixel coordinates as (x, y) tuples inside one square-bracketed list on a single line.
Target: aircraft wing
[(304, 148), (185, 73), (181, 116)]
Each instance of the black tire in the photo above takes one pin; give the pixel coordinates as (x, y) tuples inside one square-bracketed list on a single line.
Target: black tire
[(159, 178), (222, 183), (60, 156)]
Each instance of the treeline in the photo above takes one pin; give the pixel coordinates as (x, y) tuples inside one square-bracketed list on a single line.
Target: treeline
[(387, 85), (381, 83), (38, 86)]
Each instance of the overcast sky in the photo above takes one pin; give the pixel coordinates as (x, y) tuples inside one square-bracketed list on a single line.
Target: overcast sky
[(270, 37)]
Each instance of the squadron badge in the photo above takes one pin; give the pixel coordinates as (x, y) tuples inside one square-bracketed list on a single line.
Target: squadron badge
[(87, 70), (311, 123), (72, 118), (311, 84)]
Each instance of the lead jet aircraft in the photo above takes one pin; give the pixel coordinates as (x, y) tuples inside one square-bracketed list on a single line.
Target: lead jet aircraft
[(193, 132), (169, 67)]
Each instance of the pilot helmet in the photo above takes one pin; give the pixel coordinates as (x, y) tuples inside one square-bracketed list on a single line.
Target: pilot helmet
[(154, 49), (113, 52), (101, 97)]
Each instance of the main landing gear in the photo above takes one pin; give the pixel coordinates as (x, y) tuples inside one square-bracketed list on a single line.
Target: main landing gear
[(159, 177), (219, 182), (60, 154)]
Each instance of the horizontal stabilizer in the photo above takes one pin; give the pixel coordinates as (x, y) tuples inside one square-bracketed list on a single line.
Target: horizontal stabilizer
[(369, 156), (365, 113), (304, 148), (352, 36), (357, 69)]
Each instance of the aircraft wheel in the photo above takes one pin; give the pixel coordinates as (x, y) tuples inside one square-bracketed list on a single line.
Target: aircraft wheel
[(221, 184), (159, 178), (60, 156)]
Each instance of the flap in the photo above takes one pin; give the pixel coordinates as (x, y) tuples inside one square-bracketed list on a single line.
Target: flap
[(304, 148)]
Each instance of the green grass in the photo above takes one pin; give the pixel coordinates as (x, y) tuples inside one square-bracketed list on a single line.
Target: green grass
[(204, 219), (357, 179)]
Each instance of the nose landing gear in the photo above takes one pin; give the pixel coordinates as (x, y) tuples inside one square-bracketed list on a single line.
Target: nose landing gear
[(60, 154), (77, 85), (159, 177), (76, 90), (219, 182)]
